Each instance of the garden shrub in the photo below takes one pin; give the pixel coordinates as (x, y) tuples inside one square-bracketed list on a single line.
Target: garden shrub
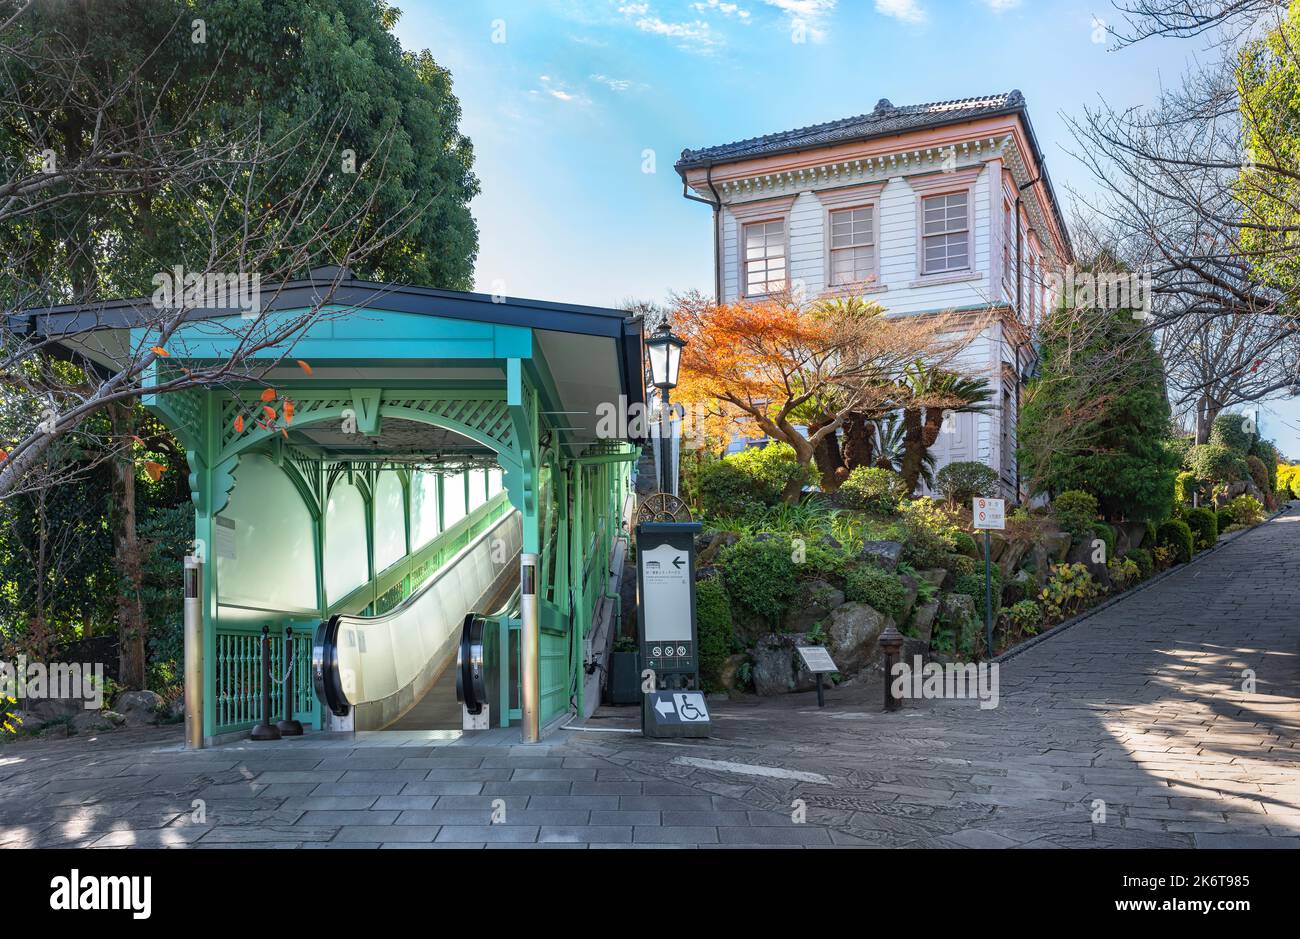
[(1268, 455), (1185, 486), (965, 479), (1123, 572), (761, 574), (930, 533), (872, 489), (1107, 534), (877, 588), (967, 545), (973, 586), (770, 468), (1230, 430), (165, 535), (1224, 519), (1177, 537), (1142, 558), (716, 630), (1204, 526), (1069, 588), (723, 488), (1258, 473), (1245, 510), (1024, 616), (1075, 511), (1149, 541), (1216, 464), (961, 564)]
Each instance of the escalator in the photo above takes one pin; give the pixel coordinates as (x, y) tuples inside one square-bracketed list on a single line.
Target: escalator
[(380, 670)]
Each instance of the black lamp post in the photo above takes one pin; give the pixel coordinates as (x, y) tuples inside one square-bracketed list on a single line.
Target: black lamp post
[(665, 364)]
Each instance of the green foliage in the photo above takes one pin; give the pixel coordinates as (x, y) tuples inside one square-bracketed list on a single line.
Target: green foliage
[(1186, 485), (1097, 416), (1216, 464), (1124, 572), (930, 533), (1258, 473), (1224, 518), (1177, 537), (716, 631), (1245, 510), (165, 535), (960, 564), (1268, 456), (972, 585), (966, 545), (1075, 512), (965, 479), (1234, 432), (749, 479), (1142, 558), (877, 588), (1107, 535), (872, 489), (1204, 526), (762, 572), (1068, 588), (1023, 616)]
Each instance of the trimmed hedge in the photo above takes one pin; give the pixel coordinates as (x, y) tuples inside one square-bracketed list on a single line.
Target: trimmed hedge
[(1107, 535), (1224, 518), (967, 545), (716, 630), (1178, 536), (872, 489), (877, 588), (1142, 558), (963, 480), (1075, 511), (1205, 527)]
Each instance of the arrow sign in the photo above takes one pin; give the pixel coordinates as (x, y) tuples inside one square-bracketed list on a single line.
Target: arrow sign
[(665, 707), (678, 562)]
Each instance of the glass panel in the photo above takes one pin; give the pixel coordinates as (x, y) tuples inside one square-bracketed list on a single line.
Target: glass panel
[(453, 499), (390, 521), (424, 508), (477, 488), (346, 567)]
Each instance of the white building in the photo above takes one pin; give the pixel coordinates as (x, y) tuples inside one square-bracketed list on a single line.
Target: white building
[(931, 208)]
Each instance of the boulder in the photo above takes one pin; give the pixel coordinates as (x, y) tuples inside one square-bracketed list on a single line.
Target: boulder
[(885, 553), (812, 604), (1134, 533), (911, 587), (92, 722), (38, 712), (1057, 544), (1010, 556), (729, 674), (826, 541), (956, 608), (937, 576), (852, 635), (718, 542), (139, 707), (997, 544), (1085, 552), (923, 620), (774, 664), (59, 729)]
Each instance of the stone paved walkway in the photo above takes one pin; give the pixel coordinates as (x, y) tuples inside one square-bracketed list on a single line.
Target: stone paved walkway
[(1139, 710)]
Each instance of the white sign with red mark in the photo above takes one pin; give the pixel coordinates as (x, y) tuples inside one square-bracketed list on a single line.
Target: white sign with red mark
[(989, 513)]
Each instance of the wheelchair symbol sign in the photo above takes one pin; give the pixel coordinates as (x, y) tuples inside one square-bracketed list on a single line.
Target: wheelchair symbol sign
[(691, 708)]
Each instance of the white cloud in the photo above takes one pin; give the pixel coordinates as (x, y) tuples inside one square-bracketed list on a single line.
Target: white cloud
[(905, 10), (721, 6), (560, 91), (695, 35), (805, 16), (614, 84), (999, 6)]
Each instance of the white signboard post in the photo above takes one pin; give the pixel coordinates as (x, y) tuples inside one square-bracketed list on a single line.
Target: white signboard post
[(989, 515), (818, 661)]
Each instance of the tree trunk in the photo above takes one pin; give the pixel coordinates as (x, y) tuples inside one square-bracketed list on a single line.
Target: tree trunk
[(131, 628), (913, 448), (859, 441), (830, 463)]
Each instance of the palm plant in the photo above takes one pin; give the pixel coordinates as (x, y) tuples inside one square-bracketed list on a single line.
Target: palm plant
[(932, 392)]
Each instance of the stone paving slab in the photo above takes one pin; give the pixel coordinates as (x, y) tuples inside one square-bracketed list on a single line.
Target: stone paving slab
[(1139, 710)]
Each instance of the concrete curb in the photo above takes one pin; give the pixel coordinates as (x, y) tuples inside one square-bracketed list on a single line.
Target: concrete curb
[(1151, 582)]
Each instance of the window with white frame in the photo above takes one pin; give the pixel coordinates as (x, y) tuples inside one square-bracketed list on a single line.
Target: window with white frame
[(764, 258), (946, 233), (853, 245), (1008, 242)]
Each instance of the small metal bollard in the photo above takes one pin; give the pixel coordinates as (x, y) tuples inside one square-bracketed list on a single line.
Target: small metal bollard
[(289, 727), (264, 729), (891, 643)]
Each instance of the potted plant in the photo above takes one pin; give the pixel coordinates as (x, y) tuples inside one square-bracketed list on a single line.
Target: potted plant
[(625, 672)]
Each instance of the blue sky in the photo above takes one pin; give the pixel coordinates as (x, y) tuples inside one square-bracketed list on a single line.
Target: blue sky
[(578, 109)]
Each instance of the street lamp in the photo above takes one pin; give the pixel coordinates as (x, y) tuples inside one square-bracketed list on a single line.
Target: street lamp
[(665, 362)]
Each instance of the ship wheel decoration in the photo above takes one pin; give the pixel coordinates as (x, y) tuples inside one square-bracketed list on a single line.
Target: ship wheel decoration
[(662, 507)]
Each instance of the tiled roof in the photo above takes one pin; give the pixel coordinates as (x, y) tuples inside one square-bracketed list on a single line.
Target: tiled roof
[(884, 120)]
